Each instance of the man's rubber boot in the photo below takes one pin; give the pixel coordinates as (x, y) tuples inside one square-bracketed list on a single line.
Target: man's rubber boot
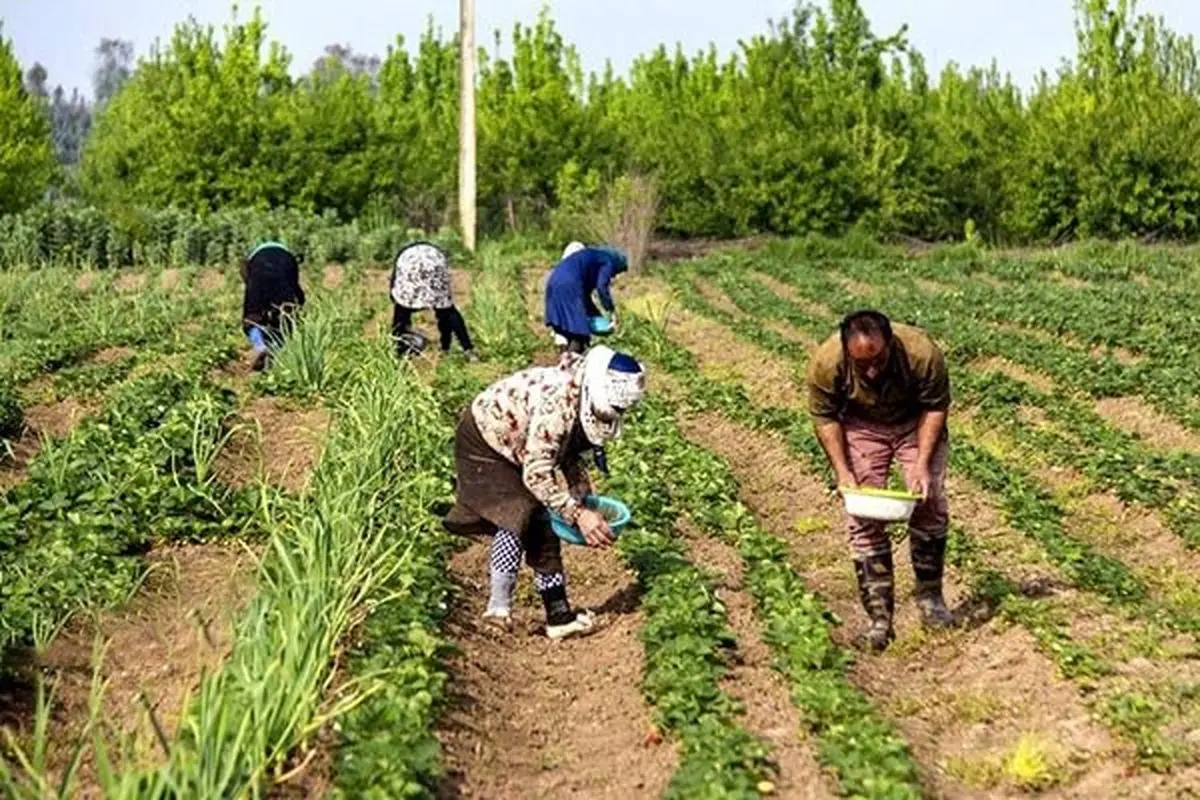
[(877, 591), (929, 562)]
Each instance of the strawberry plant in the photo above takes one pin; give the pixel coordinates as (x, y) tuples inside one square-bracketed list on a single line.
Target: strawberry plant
[(72, 531), (11, 418), (865, 752)]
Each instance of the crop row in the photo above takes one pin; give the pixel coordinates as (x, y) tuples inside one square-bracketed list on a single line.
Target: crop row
[(1027, 507), (864, 751), (386, 745), (47, 323), (92, 501), (1109, 309), (324, 564), (686, 637), (71, 237)]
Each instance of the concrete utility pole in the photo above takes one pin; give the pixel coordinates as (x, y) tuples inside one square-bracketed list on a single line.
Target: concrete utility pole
[(466, 123)]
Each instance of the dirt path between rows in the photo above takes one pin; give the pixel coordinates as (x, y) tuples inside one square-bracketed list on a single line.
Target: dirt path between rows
[(273, 441), (529, 717), (770, 712), (1136, 416), (53, 420), (964, 700), (158, 647)]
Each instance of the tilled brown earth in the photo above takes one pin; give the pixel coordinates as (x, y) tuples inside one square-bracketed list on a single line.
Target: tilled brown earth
[(155, 651), (984, 709), (531, 717), (763, 692), (964, 700)]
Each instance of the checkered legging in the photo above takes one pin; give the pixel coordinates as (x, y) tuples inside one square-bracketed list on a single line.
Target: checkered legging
[(506, 560)]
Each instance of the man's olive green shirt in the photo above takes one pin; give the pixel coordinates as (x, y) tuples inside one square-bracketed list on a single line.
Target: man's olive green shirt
[(914, 380)]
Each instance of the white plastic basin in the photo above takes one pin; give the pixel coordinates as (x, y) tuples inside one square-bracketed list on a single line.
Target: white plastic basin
[(884, 505)]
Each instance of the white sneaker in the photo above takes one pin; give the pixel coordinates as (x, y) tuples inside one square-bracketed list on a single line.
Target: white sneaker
[(499, 617), (583, 624)]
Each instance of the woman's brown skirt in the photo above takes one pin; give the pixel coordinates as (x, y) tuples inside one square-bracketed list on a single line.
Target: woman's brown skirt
[(491, 493)]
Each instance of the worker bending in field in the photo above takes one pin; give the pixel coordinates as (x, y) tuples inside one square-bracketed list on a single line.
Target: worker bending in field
[(879, 393), (569, 304), (519, 450), (272, 293), (421, 279)]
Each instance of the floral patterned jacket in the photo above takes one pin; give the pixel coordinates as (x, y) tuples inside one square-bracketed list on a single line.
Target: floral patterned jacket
[(529, 418)]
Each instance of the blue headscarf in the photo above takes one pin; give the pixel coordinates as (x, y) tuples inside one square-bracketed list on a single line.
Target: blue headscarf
[(620, 260)]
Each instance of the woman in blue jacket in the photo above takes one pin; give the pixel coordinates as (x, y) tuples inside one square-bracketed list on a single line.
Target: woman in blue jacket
[(569, 289)]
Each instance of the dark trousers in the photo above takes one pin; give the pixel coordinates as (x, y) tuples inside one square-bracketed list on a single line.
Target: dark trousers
[(449, 321)]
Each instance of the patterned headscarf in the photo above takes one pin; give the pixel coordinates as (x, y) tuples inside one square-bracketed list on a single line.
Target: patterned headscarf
[(612, 384), (572, 249)]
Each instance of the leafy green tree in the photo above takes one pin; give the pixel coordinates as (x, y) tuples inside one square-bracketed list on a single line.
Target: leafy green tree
[(197, 125), (530, 123), (27, 165), (327, 156), (415, 152)]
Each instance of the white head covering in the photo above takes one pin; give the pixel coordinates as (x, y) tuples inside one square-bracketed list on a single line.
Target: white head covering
[(572, 249), (608, 392)]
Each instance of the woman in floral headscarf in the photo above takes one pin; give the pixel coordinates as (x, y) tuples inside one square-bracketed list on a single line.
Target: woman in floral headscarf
[(519, 450), (421, 279)]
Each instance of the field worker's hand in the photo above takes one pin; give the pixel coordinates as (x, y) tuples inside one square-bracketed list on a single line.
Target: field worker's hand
[(595, 528), (921, 481)]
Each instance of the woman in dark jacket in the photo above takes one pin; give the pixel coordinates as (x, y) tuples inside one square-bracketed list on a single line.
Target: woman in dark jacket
[(271, 275), (569, 303)]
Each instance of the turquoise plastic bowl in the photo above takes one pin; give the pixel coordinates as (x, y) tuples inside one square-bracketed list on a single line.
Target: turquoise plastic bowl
[(600, 325), (616, 512)]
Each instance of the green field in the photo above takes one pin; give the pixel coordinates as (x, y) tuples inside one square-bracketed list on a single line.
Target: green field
[(218, 583)]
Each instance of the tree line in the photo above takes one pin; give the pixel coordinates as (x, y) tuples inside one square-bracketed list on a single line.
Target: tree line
[(818, 124)]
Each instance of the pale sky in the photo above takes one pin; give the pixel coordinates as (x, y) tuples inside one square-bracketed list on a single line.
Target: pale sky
[(1022, 35)]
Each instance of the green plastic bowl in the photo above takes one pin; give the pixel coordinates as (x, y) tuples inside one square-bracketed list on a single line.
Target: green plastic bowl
[(616, 512)]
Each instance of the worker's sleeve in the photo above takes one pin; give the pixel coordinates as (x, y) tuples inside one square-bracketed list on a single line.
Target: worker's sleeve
[(820, 382), (933, 382), (579, 483), (602, 285), (548, 429)]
